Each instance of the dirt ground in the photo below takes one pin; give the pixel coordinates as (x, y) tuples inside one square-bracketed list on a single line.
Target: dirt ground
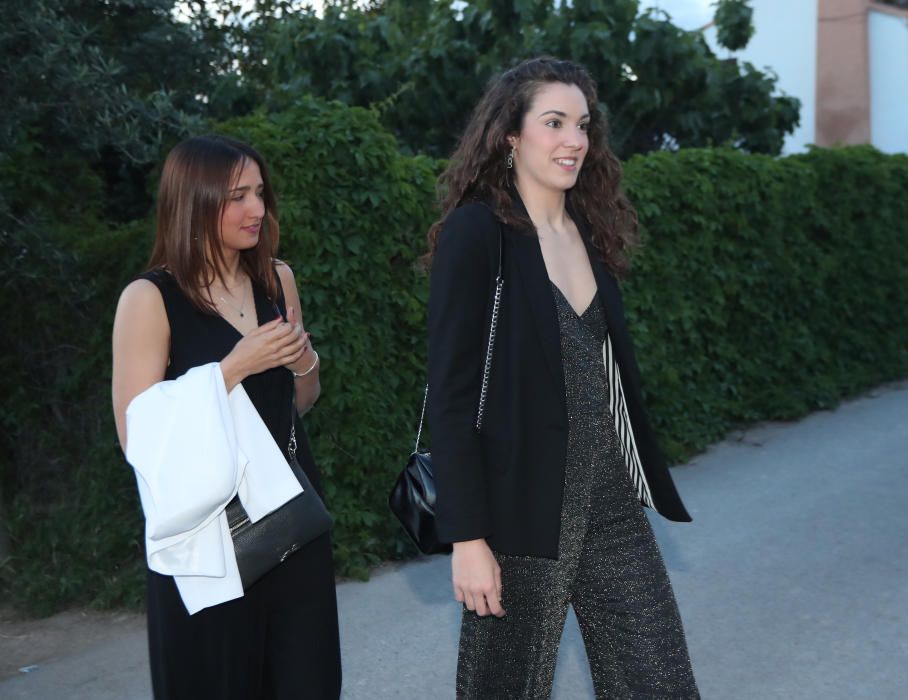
[(29, 642)]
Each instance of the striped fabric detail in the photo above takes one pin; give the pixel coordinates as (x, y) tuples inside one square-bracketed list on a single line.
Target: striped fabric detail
[(623, 427)]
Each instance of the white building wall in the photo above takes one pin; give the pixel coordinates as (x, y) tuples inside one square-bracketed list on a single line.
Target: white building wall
[(888, 82), (784, 40)]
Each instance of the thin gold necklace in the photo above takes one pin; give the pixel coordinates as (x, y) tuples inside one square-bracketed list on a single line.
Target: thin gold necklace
[(241, 307)]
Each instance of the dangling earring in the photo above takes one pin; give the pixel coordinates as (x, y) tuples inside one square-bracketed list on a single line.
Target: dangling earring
[(511, 157)]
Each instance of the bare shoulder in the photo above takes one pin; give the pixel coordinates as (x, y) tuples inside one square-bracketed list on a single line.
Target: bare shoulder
[(141, 310), (140, 344), (141, 295), (288, 284), (284, 272)]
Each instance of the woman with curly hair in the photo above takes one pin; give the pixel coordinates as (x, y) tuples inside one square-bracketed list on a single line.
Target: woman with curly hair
[(543, 502)]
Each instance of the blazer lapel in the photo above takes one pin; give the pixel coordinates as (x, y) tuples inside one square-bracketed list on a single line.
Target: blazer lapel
[(606, 285), (536, 287), (607, 288)]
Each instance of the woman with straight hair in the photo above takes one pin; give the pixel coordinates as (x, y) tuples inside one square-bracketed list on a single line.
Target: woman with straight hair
[(543, 503), (209, 356)]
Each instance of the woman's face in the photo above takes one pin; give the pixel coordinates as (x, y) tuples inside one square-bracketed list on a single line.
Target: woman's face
[(553, 142), (241, 221)]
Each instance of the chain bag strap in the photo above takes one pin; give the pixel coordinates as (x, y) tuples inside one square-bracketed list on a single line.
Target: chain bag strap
[(490, 347), (291, 444), (412, 499), (493, 327)]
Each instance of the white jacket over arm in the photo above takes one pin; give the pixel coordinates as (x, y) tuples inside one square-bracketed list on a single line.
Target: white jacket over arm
[(193, 448)]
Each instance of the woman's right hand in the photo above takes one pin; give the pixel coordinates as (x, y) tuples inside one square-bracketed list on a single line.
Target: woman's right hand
[(476, 576), (273, 344)]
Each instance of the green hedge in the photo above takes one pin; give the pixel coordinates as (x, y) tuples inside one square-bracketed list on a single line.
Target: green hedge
[(354, 212), (766, 288)]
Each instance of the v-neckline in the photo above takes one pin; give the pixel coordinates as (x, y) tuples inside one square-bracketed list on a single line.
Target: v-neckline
[(255, 310), (570, 305)]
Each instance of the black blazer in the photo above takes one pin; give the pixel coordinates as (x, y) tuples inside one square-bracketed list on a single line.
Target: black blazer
[(505, 484)]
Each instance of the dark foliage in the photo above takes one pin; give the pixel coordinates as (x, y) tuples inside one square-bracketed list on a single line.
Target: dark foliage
[(659, 84)]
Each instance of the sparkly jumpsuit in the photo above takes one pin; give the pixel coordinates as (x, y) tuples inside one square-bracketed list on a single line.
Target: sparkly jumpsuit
[(609, 566)]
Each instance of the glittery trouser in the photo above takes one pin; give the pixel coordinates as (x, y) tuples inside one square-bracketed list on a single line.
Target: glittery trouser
[(609, 568)]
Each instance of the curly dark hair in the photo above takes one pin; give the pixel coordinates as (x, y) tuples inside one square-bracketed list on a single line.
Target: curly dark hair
[(478, 171)]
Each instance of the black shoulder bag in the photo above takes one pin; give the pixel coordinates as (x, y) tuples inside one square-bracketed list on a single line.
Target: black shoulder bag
[(260, 546), (413, 497)]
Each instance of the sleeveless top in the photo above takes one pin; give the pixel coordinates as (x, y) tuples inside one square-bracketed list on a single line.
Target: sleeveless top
[(198, 338)]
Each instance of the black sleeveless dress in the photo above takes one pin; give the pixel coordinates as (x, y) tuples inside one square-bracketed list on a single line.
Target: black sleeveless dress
[(280, 640)]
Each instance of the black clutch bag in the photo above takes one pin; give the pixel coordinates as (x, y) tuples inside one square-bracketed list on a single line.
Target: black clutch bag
[(413, 502), (412, 498), (260, 546)]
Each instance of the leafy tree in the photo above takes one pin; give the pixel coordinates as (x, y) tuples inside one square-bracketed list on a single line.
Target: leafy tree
[(91, 92), (734, 21), (101, 87), (95, 91), (423, 64)]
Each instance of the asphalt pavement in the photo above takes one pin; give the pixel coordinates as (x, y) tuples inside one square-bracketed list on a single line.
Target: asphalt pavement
[(792, 581)]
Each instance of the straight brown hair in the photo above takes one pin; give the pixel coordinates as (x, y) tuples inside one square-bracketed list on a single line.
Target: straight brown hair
[(197, 175)]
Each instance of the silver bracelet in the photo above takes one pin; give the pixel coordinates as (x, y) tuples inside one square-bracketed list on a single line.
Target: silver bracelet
[(303, 374)]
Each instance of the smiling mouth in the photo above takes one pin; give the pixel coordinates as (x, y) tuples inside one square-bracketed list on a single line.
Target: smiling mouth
[(566, 162)]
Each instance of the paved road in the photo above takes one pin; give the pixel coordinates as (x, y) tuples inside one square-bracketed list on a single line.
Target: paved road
[(792, 581)]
